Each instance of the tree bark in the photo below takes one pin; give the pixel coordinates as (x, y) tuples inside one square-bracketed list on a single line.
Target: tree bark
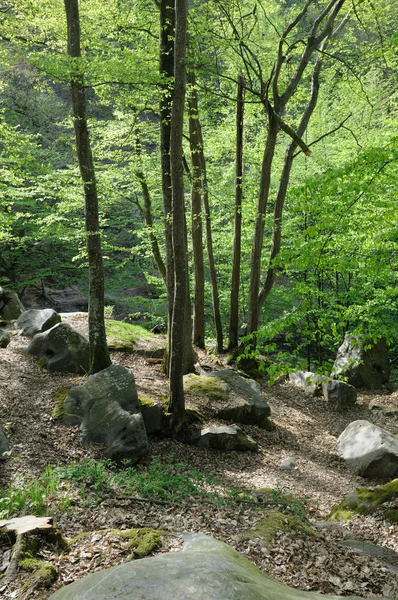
[(99, 353), (166, 68), (321, 31), (209, 237), (235, 279), (177, 400), (146, 211), (196, 217)]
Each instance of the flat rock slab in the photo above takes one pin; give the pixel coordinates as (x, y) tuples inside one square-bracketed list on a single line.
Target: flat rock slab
[(35, 321), (62, 349), (225, 438), (370, 450), (385, 555), (205, 569), (246, 403)]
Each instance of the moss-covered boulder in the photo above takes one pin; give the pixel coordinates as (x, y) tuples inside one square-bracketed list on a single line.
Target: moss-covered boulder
[(365, 500), (210, 388), (234, 398), (204, 569), (275, 521)]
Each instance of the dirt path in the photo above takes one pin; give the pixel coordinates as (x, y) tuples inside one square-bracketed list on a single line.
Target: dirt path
[(306, 430)]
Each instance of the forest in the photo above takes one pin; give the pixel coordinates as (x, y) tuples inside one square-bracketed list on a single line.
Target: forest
[(288, 157), (200, 187)]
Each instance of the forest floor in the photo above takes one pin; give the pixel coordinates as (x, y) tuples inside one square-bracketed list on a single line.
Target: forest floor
[(306, 431)]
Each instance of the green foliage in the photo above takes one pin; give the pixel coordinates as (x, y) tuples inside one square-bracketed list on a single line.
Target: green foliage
[(123, 336)]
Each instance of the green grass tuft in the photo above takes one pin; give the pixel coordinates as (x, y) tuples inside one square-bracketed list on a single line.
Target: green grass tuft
[(124, 336)]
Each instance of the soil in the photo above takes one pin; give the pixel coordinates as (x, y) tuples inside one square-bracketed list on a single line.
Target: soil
[(306, 430)]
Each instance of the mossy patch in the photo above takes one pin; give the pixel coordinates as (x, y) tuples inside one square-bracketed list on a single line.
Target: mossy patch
[(58, 410), (192, 416), (47, 574), (364, 501), (146, 401), (142, 541), (123, 336), (267, 424), (30, 564), (392, 515), (209, 387), (275, 521)]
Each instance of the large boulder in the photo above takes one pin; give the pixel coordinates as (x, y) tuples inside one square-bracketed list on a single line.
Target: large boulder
[(5, 339), (204, 569), (36, 320), (106, 408), (10, 305), (339, 394), (62, 349), (244, 402), (362, 362), (4, 445), (224, 438), (370, 450)]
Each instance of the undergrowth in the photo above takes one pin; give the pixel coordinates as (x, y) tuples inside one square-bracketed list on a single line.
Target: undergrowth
[(89, 482)]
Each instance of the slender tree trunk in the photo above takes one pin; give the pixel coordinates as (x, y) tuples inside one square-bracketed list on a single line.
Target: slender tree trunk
[(196, 212), (166, 67), (283, 185), (265, 182), (146, 211), (177, 400), (235, 280), (99, 353), (209, 237)]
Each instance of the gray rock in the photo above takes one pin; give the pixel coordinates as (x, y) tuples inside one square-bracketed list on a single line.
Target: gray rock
[(289, 464), (386, 556), (204, 569), (363, 363), (225, 438), (11, 306), (5, 339), (307, 380), (370, 450), (246, 403), (153, 417), (62, 349), (107, 410), (4, 445), (339, 394), (35, 321)]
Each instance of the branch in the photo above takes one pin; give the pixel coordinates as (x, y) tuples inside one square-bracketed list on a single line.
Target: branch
[(287, 129), (331, 132)]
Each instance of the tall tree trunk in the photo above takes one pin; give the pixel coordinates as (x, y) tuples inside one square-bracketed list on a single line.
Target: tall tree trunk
[(166, 67), (265, 182), (209, 237), (235, 280), (177, 350), (146, 212), (196, 212), (322, 30), (99, 353)]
